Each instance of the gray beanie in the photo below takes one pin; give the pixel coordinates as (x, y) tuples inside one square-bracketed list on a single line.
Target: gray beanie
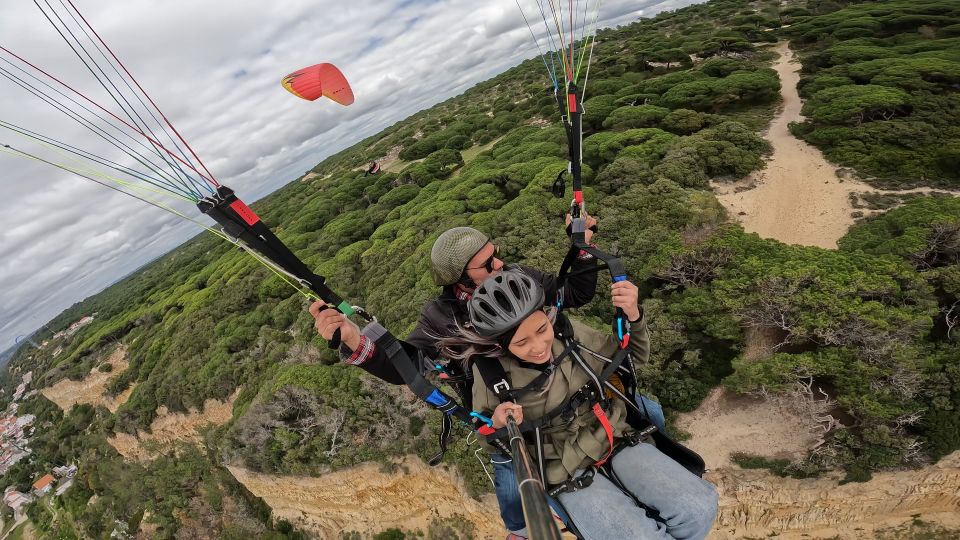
[(452, 251)]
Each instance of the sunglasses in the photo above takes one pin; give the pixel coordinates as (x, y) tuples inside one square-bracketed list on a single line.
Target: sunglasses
[(488, 264)]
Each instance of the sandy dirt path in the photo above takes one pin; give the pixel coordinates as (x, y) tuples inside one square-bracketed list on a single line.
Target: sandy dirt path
[(798, 199)]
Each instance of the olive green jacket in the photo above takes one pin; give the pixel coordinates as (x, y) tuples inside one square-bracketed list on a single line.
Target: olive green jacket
[(578, 443)]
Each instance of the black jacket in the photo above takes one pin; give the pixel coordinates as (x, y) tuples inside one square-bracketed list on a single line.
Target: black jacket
[(439, 318)]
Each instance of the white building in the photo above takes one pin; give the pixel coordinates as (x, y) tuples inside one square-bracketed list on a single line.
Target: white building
[(15, 500), (68, 471)]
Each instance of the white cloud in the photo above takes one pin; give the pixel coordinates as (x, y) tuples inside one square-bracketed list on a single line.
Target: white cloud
[(214, 68)]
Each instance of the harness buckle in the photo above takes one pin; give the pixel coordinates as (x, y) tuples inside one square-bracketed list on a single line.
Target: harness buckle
[(575, 484)]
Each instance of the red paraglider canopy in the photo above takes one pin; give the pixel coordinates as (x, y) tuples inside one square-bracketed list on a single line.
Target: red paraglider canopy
[(319, 80)]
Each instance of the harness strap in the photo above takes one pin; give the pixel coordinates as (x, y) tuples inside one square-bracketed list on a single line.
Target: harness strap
[(605, 422), (243, 224), (584, 395), (422, 388), (495, 378), (618, 272), (585, 480)]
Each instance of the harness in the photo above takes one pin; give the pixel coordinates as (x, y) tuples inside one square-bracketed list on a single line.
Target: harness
[(598, 394)]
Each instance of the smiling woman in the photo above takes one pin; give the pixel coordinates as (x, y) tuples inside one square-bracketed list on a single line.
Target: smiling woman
[(565, 387)]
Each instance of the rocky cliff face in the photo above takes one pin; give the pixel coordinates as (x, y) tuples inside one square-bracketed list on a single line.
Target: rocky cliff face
[(369, 500), (753, 504), (758, 504)]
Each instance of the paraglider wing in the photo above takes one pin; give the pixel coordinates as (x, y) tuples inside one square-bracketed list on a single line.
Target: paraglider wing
[(319, 80)]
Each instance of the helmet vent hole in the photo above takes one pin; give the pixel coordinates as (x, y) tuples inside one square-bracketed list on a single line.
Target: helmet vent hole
[(502, 300), (486, 307), (515, 289)]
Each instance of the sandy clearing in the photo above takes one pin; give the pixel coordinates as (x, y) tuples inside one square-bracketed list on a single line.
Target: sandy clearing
[(798, 198), (389, 161), (171, 427), (92, 389), (726, 423)]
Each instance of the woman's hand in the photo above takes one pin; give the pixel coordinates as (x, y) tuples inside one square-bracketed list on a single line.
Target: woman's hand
[(626, 296), (500, 414), (328, 321)]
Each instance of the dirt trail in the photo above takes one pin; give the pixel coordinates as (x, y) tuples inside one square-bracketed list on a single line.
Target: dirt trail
[(91, 389), (798, 198), (170, 427), (368, 501)]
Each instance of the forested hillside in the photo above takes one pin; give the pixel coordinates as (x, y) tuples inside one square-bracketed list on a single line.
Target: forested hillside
[(672, 103), (880, 80)]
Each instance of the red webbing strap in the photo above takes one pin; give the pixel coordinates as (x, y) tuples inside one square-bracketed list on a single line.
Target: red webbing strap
[(605, 422), (244, 211)]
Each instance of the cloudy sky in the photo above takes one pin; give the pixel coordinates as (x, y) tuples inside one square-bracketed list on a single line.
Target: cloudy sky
[(213, 67)]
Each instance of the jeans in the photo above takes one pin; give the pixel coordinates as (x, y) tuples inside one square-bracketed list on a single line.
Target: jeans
[(508, 495), (687, 504), (505, 481), (653, 410)]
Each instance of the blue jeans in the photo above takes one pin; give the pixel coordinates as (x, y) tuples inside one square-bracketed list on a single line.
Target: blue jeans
[(653, 410), (505, 481), (687, 504), (508, 495)]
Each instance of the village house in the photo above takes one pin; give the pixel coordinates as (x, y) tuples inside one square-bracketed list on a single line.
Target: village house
[(43, 486)]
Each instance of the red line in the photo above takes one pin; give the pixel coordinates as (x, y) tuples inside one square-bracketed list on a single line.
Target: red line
[(210, 177), (121, 120)]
